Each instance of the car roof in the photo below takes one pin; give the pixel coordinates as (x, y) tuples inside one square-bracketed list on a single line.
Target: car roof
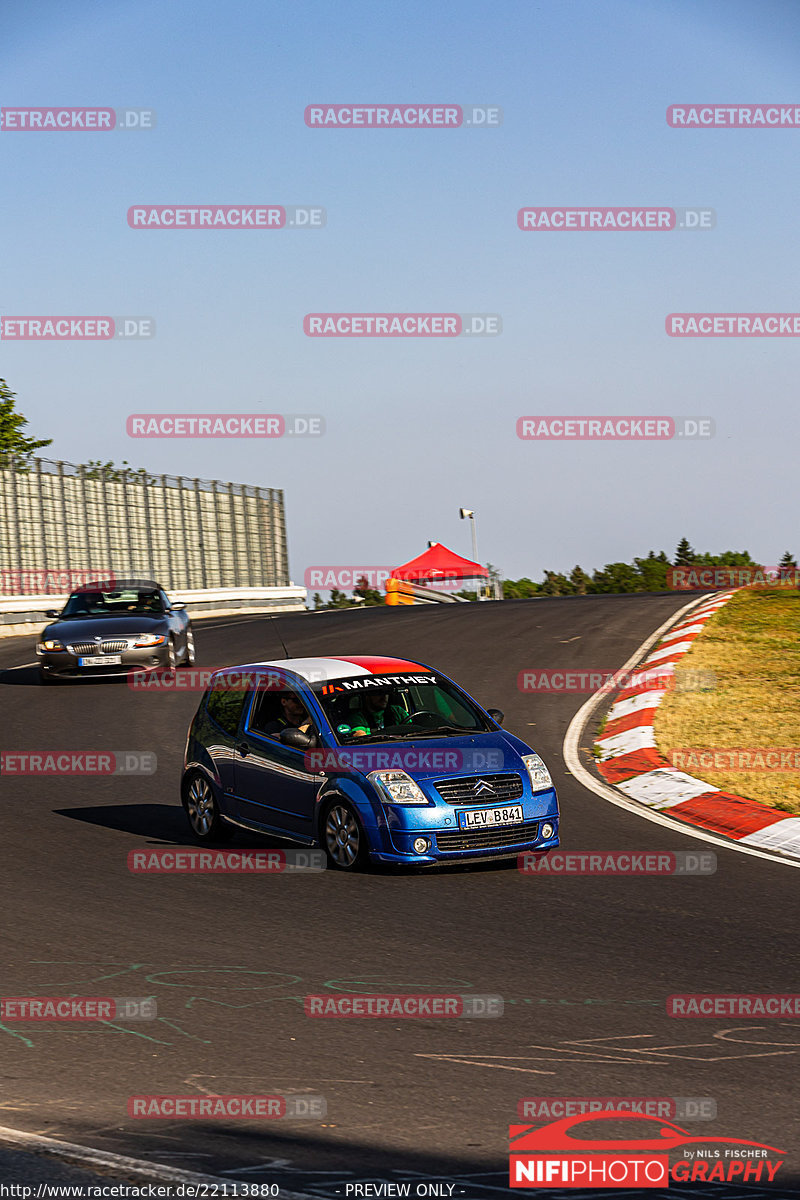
[(318, 670)]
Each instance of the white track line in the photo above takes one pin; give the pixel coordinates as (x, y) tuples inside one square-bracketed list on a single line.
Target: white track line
[(571, 746), (88, 1157)]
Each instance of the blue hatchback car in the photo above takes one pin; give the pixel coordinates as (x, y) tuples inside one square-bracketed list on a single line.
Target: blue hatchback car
[(374, 759)]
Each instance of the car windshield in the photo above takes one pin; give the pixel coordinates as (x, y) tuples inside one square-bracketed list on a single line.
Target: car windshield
[(390, 708), (119, 603)]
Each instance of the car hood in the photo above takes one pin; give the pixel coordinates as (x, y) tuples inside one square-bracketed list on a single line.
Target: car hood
[(77, 629), (425, 759)]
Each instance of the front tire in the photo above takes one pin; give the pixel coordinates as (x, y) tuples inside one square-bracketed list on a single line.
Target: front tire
[(189, 657), (203, 812), (343, 837), (172, 657)]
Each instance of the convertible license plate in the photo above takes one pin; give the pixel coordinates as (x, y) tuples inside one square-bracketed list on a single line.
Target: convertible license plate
[(100, 660), (482, 818)]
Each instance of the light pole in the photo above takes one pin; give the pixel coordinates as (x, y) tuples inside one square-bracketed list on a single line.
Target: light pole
[(465, 513)]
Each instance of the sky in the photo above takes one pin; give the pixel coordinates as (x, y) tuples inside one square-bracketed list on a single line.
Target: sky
[(418, 220)]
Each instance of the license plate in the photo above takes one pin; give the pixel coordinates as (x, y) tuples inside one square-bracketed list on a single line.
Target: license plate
[(100, 660), (482, 818)]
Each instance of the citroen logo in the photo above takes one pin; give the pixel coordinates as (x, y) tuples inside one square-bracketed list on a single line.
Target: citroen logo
[(482, 786)]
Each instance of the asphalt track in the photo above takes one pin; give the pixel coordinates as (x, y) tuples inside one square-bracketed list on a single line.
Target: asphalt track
[(584, 964)]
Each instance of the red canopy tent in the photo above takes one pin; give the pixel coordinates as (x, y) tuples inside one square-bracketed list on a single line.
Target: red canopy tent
[(436, 564)]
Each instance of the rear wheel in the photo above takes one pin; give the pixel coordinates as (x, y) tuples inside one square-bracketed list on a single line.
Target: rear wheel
[(343, 837), (203, 811)]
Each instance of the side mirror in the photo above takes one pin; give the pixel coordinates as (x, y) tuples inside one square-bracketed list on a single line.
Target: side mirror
[(52, 614), (177, 605), (297, 739), (496, 715)]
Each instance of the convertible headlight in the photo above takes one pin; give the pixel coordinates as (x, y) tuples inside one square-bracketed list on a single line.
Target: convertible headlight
[(397, 787), (150, 639), (537, 772), (50, 644)]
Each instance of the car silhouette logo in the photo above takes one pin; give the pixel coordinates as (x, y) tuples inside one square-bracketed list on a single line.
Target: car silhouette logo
[(663, 1135), (482, 786)]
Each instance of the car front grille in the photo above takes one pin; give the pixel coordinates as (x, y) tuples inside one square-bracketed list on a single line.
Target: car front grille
[(109, 646), (462, 789), (488, 839)]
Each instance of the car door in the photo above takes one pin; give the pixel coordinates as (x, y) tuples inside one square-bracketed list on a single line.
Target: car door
[(218, 731), (275, 786), (177, 622)]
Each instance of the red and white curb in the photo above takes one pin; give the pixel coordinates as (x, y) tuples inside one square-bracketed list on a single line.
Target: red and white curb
[(631, 762)]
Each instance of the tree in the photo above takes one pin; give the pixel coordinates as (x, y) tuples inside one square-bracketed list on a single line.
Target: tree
[(520, 589), (788, 561), (581, 582), (617, 577), (653, 571), (684, 555), (14, 445), (370, 596)]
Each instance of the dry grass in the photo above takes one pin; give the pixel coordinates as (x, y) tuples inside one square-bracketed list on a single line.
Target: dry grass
[(753, 646)]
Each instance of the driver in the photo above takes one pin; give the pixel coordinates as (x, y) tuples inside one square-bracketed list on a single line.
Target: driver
[(377, 713), (293, 715)]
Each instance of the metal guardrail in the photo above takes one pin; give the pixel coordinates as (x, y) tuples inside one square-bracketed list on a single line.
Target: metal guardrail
[(23, 615), (400, 592)]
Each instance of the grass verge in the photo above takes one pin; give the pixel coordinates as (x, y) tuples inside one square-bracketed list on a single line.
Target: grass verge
[(753, 647)]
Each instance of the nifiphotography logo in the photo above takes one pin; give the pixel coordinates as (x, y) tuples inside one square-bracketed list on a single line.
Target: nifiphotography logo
[(588, 1151)]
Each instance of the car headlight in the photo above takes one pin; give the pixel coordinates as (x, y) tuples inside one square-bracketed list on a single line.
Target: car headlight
[(398, 787), (50, 644), (537, 772), (150, 639)]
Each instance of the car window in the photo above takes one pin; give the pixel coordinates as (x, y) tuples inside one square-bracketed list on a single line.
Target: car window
[(268, 715), (224, 706)]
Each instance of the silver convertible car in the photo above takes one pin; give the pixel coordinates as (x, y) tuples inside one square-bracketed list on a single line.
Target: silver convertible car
[(108, 629)]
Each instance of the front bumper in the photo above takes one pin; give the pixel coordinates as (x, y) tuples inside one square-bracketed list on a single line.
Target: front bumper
[(64, 664), (452, 845)]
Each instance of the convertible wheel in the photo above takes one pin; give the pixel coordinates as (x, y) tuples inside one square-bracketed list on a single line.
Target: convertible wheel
[(203, 811), (189, 658), (172, 657), (343, 837)]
